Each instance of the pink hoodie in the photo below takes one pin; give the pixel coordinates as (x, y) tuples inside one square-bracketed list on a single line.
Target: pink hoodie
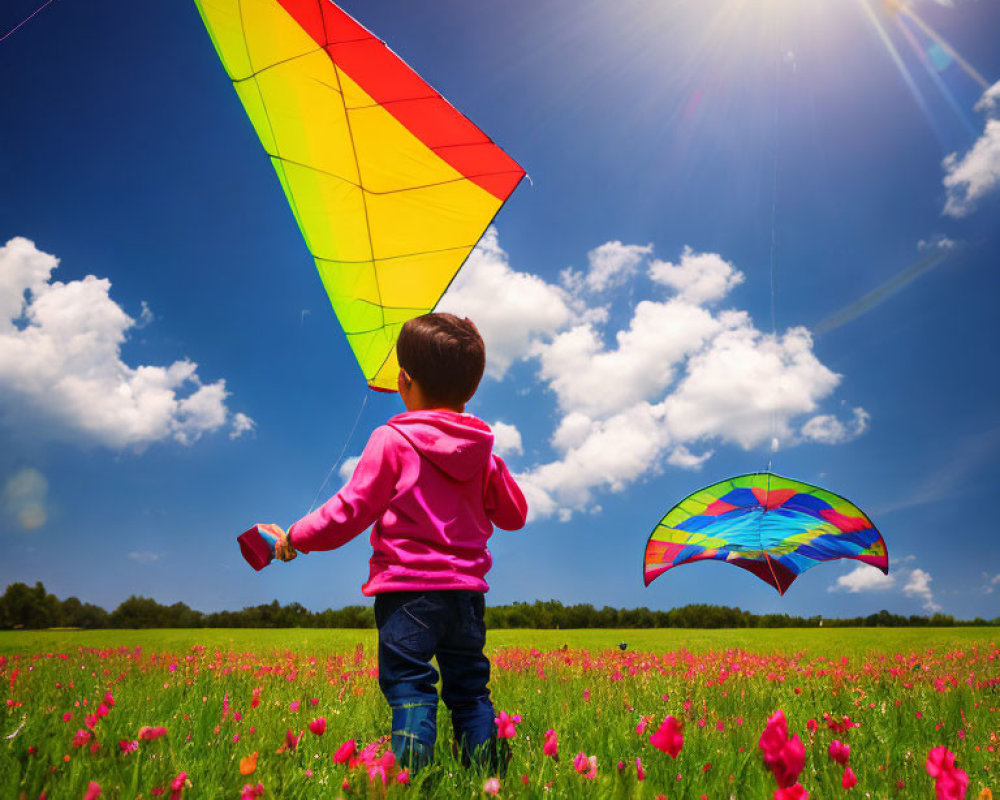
[(432, 486)]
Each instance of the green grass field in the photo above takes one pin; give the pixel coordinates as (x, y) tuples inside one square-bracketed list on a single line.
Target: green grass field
[(909, 690)]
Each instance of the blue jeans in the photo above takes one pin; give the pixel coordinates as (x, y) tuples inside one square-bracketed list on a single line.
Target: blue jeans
[(413, 627)]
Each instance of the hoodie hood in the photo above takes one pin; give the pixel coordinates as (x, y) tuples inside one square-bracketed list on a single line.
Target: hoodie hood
[(457, 444)]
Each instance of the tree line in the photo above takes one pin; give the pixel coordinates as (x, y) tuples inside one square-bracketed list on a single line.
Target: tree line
[(23, 606)]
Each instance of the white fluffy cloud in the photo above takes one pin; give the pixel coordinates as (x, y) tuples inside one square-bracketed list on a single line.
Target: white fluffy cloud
[(347, 467), (512, 309), (506, 439), (61, 370), (864, 578), (613, 263), (698, 277), (916, 582), (969, 177), (659, 391), (918, 585), (827, 429)]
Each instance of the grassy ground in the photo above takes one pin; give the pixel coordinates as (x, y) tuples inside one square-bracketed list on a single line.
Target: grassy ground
[(909, 689)]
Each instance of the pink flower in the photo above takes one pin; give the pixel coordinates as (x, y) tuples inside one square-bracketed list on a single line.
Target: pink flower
[(293, 706), (492, 786), (668, 737), (849, 779), (93, 791), (403, 777), (177, 786), (251, 792), (812, 725), (586, 695), (80, 738), (345, 752), (640, 772), (291, 740), (67, 717), (839, 751), (147, 734), (784, 757), (550, 746), (507, 725), (585, 765), (951, 782), (318, 726), (128, 746), (793, 792)]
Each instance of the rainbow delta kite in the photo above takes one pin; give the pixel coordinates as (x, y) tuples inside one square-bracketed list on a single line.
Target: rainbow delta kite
[(391, 186), (775, 527)]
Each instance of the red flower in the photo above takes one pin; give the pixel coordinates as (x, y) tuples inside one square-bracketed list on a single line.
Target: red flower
[(550, 746), (93, 791), (785, 758), (668, 737), (80, 738), (345, 752), (639, 770), (951, 782), (839, 751), (507, 725), (794, 792), (849, 779), (318, 726)]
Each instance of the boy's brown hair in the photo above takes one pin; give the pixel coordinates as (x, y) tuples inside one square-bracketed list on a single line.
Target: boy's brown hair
[(444, 354)]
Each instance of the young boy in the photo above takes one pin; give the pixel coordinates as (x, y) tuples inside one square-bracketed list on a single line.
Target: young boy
[(433, 488)]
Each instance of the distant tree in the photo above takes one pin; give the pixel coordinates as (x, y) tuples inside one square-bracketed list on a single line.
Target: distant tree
[(22, 606)]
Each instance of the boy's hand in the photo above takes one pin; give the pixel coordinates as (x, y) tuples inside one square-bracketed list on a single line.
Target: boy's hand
[(283, 550)]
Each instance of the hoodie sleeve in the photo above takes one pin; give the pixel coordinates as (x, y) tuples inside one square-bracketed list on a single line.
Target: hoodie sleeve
[(362, 501), (504, 502)]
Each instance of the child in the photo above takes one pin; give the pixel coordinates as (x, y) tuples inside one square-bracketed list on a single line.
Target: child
[(431, 485)]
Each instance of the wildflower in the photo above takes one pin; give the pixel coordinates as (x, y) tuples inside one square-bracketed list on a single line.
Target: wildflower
[(80, 738), (318, 726), (585, 765), (950, 782), (291, 740), (345, 752), (794, 792), (381, 767), (550, 746), (67, 716), (146, 733), (293, 706), (403, 777), (492, 786), (128, 746), (507, 725), (784, 757), (849, 779), (812, 725), (586, 695), (668, 737), (249, 764), (252, 792), (93, 791), (839, 751), (639, 771), (177, 786), (255, 700)]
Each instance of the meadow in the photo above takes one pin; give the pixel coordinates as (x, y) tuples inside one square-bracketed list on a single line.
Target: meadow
[(676, 714)]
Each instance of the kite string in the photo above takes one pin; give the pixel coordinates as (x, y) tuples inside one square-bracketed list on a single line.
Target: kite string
[(773, 445), (28, 18), (343, 450)]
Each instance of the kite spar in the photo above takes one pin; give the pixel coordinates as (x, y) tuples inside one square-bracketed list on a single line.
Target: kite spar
[(391, 186)]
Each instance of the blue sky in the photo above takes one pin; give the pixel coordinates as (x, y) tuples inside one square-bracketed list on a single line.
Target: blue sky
[(198, 381)]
